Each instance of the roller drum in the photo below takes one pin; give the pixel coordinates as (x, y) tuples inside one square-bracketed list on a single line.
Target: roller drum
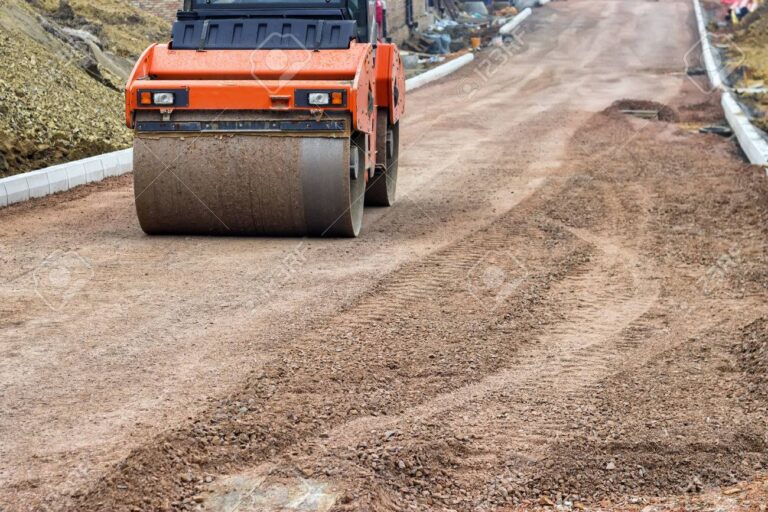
[(238, 184)]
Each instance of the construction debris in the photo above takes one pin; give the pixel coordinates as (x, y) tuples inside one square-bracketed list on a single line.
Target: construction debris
[(464, 25)]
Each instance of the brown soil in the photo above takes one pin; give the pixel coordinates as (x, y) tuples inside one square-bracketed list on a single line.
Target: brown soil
[(566, 307), (753, 355)]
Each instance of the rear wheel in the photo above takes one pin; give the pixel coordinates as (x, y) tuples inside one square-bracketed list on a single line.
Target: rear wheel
[(382, 188)]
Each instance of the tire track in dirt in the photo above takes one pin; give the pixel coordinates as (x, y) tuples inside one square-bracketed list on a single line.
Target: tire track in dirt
[(605, 300), (448, 269), (602, 307), (166, 324), (616, 323), (416, 334), (415, 350), (444, 349), (441, 452)]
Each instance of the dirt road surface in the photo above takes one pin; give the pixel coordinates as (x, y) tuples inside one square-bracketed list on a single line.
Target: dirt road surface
[(567, 306)]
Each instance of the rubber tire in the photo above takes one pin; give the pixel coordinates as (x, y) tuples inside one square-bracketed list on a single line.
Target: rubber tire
[(382, 188)]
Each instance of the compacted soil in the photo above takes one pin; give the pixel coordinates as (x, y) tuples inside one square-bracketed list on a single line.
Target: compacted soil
[(567, 308)]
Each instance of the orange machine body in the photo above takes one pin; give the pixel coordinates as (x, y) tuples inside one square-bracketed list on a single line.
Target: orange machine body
[(268, 80), (390, 81), (370, 77)]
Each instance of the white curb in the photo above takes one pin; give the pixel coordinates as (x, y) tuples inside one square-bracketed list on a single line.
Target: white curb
[(57, 179), (750, 139), (94, 170), (76, 174), (37, 184), (62, 177), (17, 190), (706, 49), (515, 22), (438, 72), (752, 143)]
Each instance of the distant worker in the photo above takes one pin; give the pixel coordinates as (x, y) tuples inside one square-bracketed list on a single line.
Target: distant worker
[(380, 21), (738, 9)]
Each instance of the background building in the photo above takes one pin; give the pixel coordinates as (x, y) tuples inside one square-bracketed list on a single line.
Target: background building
[(163, 8), (402, 14)]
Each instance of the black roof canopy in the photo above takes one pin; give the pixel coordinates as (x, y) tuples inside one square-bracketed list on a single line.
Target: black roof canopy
[(271, 24), (325, 9)]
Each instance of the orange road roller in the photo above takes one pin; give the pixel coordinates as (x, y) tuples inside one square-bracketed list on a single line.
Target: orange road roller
[(275, 118)]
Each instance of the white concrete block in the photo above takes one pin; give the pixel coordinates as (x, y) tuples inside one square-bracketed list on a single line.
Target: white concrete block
[(17, 189), (76, 174), (125, 158), (750, 140), (111, 164), (94, 169), (37, 182), (73, 174), (60, 178), (57, 179), (713, 72)]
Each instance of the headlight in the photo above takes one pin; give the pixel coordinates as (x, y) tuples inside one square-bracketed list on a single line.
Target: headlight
[(329, 98), (319, 98), (163, 98)]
